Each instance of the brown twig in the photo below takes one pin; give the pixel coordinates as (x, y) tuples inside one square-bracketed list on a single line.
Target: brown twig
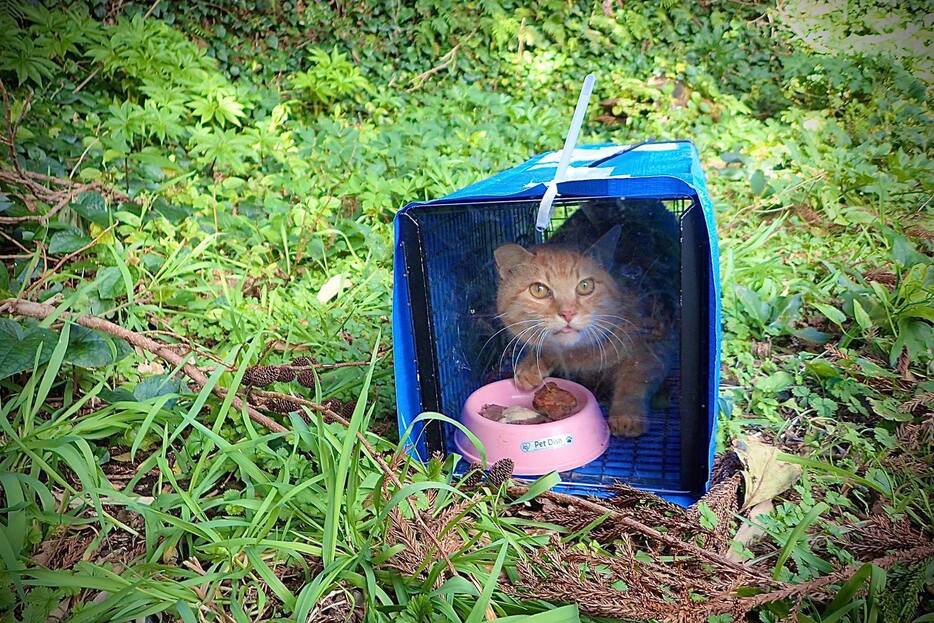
[(446, 61), (60, 198), (12, 126), (38, 310), (14, 241)]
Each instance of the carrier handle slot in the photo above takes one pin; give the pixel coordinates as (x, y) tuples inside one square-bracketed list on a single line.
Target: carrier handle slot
[(570, 141), (624, 150)]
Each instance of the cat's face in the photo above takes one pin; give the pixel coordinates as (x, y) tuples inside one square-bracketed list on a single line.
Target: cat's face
[(554, 296)]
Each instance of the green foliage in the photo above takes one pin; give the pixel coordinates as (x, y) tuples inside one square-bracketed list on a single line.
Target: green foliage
[(267, 146), (331, 78)]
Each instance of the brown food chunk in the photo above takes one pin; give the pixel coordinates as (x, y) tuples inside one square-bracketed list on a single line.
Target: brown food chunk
[(493, 412), (554, 403)]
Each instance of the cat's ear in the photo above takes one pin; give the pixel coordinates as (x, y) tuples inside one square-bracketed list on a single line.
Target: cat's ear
[(603, 250), (509, 256)]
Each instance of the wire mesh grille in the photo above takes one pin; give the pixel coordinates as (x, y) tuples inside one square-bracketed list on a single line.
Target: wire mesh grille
[(471, 350)]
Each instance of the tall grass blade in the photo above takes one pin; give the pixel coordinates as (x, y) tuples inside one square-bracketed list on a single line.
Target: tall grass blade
[(479, 608), (48, 378), (540, 486), (344, 468)]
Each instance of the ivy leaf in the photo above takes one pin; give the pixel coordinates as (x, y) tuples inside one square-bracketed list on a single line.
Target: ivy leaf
[(619, 585), (68, 241), (810, 334), (888, 409), (20, 345), (757, 182), (862, 318), (753, 304), (160, 385), (92, 207), (776, 382), (708, 518), (109, 281), (169, 211), (915, 335), (823, 369), (88, 348)]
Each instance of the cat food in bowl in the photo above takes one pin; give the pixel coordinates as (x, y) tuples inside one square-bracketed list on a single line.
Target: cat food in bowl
[(555, 428)]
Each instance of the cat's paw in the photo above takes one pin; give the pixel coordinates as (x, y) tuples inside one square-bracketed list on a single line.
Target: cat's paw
[(628, 418), (528, 376), (632, 423)]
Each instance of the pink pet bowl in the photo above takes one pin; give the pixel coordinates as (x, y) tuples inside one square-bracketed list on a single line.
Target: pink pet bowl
[(534, 448)]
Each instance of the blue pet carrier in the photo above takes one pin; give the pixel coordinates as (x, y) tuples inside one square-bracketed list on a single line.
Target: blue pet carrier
[(447, 342)]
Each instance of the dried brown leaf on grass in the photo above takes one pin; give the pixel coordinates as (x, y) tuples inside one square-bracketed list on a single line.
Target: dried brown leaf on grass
[(722, 501), (64, 547), (689, 586), (765, 475), (924, 399), (649, 509), (749, 531), (68, 545)]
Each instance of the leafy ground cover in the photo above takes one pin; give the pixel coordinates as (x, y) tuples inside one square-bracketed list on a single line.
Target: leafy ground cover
[(190, 190)]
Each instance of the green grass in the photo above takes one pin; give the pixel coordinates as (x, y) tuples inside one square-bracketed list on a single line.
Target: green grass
[(266, 147)]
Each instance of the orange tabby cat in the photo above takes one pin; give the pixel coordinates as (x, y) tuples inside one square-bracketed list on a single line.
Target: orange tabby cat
[(568, 316)]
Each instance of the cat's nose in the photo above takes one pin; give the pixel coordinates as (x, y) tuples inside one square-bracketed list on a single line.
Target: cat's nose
[(567, 314)]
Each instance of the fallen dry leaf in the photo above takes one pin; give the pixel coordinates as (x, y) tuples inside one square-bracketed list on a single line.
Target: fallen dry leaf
[(332, 288), (150, 368), (764, 474), (750, 531)]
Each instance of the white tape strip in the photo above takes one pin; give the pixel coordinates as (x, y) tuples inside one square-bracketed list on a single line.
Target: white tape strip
[(551, 191)]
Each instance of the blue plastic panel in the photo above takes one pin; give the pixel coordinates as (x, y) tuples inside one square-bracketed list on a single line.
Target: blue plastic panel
[(662, 171)]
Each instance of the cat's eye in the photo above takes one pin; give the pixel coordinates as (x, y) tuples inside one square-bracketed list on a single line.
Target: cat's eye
[(585, 287), (539, 290)]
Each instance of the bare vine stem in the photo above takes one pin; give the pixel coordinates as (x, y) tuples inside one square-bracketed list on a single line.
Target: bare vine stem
[(41, 311)]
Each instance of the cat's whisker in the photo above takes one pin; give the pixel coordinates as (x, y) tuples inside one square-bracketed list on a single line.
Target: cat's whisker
[(604, 333), (514, 338), (610, 332), (508, 326), (613, 345), (614, 317), (517, 339), (616, 334), (515, 359), (592, 334), (535, 339), (515, 343), (538, 352)]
